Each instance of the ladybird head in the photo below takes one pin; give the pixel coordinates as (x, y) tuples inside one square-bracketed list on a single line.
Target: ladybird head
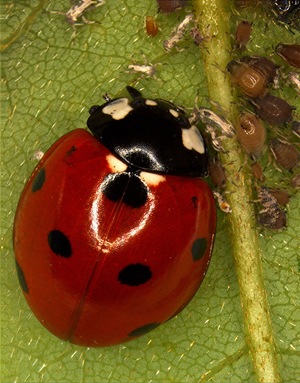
[(151, 135)]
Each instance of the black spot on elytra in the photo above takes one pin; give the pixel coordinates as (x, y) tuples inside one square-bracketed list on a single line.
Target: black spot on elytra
[(21, 278), (144, 329), (59, 243), (71, 150), (127, 187), (39, 180), (195, 201), (69, 157), (199, 248), (135, 274)]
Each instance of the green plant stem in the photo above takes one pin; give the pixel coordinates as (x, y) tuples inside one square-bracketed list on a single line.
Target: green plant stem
[(214, 20)]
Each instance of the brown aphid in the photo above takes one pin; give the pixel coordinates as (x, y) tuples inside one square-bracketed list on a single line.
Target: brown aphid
[(268, 220), (168, 6), (271, 216), (286, 155), (273, 109), (243, 34), (251, 134), (151, 26), (217, 173), (290, 53), (262, 65), (258, 172), (295, 183), (282, 196), (249, 80)]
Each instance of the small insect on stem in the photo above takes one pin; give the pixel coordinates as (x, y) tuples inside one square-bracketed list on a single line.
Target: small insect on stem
[(149, 70), (178, 33), (207, 116), (77, 11), (223, 204), (216, 126)]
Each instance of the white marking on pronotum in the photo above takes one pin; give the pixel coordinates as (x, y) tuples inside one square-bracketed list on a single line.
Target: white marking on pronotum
[(192, 139), (118, 108), (115, 165), (150, 102), (174, 112), (152, 178), (178, 33)]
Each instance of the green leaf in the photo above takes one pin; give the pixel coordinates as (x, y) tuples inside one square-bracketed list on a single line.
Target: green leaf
[(48, 85)]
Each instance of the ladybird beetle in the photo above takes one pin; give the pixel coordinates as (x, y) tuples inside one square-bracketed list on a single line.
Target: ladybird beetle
[(114, 231)]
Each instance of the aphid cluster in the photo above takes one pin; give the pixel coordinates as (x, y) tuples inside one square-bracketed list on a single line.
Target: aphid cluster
[(254, 78)]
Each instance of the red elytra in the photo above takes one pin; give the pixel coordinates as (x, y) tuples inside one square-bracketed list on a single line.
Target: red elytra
[(97, 267)]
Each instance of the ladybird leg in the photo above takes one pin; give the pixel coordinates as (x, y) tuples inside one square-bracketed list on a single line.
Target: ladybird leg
[(134, 93)]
